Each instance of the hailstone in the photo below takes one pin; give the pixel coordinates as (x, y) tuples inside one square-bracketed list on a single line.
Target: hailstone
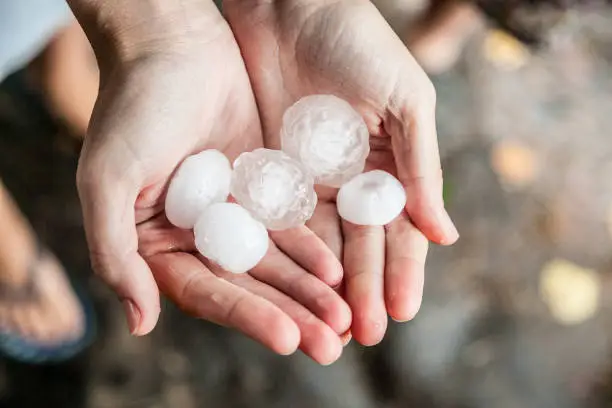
[(202, 179), (328, 136), (276, 189), (372, 198), (227, 235)]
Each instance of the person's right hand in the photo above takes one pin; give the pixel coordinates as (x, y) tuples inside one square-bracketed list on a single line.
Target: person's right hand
[(164, 99), (295, 48)]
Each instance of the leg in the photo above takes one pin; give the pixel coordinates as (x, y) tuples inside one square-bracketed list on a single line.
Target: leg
[(67, 73)]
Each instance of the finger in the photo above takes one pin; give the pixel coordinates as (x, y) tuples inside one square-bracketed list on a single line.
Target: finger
[(415, 146), (406, 250), (346, 338), (150, 202), (197, 291), (318, 340), (310, 252), (280, 272), (158, 235), (364, 262), (325, 223), (107, 200)]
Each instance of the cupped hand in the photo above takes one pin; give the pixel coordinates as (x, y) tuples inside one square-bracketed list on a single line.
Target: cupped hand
[(173, 99), (294, 48)]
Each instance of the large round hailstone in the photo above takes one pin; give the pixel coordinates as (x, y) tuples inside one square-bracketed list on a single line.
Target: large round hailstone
[(276, 189), (328, 136), (372, 198), (202, 179), (227, 235)]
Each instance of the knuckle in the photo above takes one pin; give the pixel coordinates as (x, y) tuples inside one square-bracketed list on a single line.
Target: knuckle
[(192, 299), (187, 287), (297, 282), (101, 265), (233, 312)]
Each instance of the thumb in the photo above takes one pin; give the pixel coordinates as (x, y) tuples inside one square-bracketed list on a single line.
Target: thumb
[(415, 147), (108, 195)]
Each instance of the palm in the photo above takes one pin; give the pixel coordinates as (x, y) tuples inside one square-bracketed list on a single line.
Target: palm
[(296, 48), (151, 117)]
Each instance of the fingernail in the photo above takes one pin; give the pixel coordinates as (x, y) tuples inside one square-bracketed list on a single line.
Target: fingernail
[(132, 315), (346, 338), (450, 230)]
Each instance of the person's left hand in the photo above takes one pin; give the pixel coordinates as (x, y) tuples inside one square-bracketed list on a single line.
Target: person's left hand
[(294, 48)]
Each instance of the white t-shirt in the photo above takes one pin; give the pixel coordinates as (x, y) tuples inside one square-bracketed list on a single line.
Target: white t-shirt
[(26, 27)]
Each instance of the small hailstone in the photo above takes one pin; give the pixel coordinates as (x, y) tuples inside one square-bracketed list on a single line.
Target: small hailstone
[(226, 234), (372, 198), (328, 136), (202, 179), (275, 188)]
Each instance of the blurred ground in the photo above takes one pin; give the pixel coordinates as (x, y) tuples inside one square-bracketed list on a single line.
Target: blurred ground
[(517, 314)]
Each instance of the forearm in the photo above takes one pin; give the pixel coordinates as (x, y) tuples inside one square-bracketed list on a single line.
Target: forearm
[(128, 29)]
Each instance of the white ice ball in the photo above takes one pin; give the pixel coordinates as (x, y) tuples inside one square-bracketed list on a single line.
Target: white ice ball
[(227, 235), (275, 188), (328, 136), (202, 179), (372, 198)]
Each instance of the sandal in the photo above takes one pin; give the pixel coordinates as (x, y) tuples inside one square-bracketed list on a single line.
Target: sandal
[(15, 346)]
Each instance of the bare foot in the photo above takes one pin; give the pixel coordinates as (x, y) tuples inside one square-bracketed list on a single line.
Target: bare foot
[(37, 302), (41, 309)]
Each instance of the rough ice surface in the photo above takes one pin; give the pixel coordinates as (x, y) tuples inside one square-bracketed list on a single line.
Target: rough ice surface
[(372, 198), (276, 189), (227, 235), (202, 179), (326, 135)]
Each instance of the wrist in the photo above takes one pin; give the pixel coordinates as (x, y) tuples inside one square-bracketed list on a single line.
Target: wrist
[(253, 8), (123, 30)]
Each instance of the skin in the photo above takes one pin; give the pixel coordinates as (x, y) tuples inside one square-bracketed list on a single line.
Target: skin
[(294, 48), (69, 78), (53, 315), (157, 106), (162, 99), (173, 82)]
